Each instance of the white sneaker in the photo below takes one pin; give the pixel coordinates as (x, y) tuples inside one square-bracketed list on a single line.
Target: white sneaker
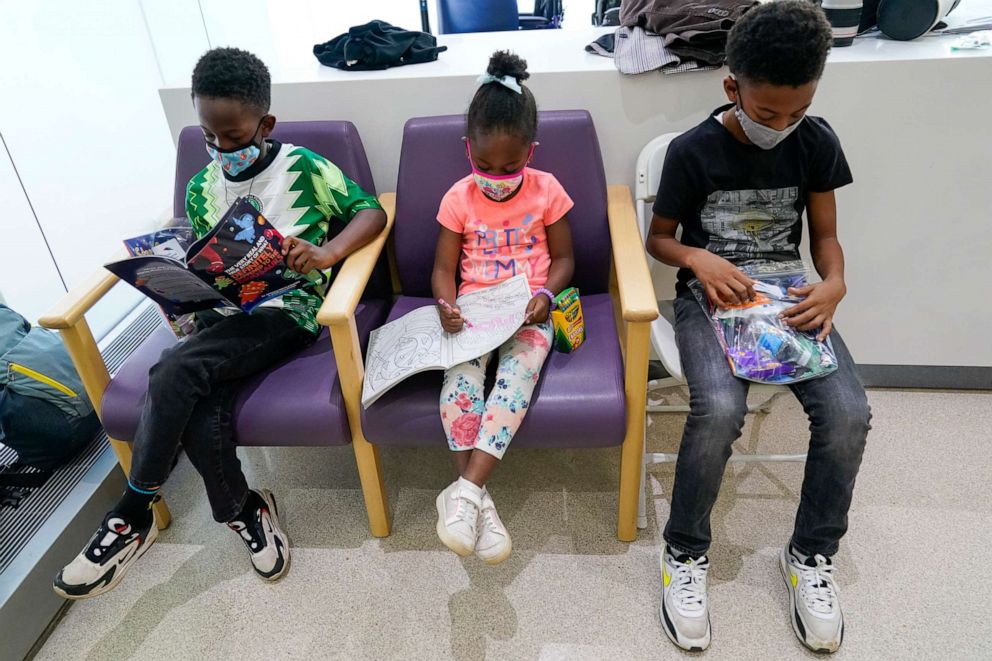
[(101, 566), (684, 612), (267, 543), (458, 514), (494, 544), (814, 599)]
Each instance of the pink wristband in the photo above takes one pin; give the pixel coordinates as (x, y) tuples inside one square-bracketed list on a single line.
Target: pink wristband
[(551, 297)]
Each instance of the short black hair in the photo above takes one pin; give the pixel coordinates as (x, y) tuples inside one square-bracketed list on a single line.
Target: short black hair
[(496, 108), (232, 73), (780, 43)]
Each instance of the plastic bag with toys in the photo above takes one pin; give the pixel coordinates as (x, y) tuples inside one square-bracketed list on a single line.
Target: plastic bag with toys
[(759, 345)]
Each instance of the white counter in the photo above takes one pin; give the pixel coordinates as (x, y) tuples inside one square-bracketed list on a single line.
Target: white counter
[(912, 116)]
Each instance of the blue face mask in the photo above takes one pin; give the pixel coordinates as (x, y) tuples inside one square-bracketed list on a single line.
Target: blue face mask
[(237, 160)]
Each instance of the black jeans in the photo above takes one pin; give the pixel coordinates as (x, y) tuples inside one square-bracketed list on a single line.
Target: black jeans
[(839, 422), (191, 395)]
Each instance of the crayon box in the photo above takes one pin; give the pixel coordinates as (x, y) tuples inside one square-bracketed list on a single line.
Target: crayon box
[(570, 331)]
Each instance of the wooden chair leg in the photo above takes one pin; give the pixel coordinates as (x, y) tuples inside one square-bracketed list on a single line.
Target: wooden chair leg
[(347, 352), (373, 486), (632, 452), (163, 517)]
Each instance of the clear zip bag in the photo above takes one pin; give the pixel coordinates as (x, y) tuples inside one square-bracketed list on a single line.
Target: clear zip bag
[(760, 346)]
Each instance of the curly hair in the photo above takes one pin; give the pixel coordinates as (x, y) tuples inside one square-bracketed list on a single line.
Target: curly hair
[(781, 43), (232, 73), (496, 108)]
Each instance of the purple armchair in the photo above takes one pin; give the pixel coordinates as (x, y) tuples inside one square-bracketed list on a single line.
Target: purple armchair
[(590, 398), (303, 398)]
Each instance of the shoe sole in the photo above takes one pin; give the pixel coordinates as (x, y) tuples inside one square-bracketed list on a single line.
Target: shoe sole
[(274, 515), (442, 531), (495, 560), (118, 576), (783, 564)]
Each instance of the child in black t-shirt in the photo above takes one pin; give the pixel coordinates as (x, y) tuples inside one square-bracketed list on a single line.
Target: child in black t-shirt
[(738, 185)]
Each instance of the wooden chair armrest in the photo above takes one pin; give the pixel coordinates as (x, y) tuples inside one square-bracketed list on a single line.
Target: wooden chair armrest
[(353, 274), (69, 310), (637, 297)]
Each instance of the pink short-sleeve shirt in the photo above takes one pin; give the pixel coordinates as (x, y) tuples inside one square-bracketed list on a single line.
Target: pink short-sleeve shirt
[(502, 239)]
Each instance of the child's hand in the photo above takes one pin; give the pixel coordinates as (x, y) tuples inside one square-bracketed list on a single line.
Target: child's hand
[(451, 319), (817, 309), (303, 256), (537, 310), (723, 282)]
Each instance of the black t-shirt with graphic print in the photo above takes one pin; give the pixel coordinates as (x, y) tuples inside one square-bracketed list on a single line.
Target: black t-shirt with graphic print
[(742, 202)]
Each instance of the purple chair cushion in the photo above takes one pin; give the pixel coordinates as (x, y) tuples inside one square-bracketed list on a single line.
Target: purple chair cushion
[(336, 141), (433, 158), (579, 401), (299, 402)]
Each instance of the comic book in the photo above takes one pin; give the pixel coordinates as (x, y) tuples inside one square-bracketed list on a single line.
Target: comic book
[(238, 264), (169, 242)]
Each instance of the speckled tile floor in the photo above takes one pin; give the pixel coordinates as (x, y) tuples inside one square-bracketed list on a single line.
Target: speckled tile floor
[(913, 568)]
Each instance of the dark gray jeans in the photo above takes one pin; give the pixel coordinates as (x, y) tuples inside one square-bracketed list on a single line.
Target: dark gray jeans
[(839, 422), (191, 395)]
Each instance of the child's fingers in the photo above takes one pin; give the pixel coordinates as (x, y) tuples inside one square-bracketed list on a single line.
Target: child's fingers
[(298, 255), (714, 296), (797, 309), (803, 321), (728, 295), (748, 285), (816, 322), (828, 326), (739, 289), (287, 244)]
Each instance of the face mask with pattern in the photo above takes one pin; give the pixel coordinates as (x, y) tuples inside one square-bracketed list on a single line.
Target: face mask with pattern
[(498, 187), (237, 160)]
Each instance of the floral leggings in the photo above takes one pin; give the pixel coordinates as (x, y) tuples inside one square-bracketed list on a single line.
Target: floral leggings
[(470, 421)]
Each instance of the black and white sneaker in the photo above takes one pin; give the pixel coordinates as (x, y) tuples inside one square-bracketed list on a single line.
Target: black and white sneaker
[(684, 611), (814, 600), (267, 544), (100, 566)]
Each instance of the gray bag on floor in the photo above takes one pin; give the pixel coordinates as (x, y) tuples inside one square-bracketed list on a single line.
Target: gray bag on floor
[(45, 415)]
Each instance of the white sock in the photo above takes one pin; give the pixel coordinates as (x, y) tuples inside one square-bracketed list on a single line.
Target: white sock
[(470, 487)]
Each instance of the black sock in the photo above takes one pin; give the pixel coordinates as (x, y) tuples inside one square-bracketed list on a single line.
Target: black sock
[(135, 506), (252, 503)]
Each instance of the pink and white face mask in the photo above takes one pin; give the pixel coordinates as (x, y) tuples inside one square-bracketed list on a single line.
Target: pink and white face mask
[(498, 187)]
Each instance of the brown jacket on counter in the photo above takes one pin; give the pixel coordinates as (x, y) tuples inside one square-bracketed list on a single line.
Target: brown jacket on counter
[(691, 29)]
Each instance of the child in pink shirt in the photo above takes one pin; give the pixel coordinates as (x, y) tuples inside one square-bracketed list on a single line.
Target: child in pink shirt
[(502, 220)]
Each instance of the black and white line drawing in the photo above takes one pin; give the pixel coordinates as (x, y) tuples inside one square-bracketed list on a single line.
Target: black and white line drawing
[(416, 342)]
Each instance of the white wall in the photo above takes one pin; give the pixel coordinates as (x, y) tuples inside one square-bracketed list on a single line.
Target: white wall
[(82, 120), (28, 278)]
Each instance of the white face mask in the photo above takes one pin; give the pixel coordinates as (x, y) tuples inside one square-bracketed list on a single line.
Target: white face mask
[(763, 136)]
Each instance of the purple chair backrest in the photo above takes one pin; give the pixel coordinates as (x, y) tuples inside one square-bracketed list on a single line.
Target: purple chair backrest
[(433, 158), (337, 141)]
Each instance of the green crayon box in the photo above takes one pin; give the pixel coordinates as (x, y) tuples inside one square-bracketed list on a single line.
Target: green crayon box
[(570, 331)]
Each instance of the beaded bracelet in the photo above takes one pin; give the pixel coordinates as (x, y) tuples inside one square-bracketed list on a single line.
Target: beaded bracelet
[(551, 297)]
